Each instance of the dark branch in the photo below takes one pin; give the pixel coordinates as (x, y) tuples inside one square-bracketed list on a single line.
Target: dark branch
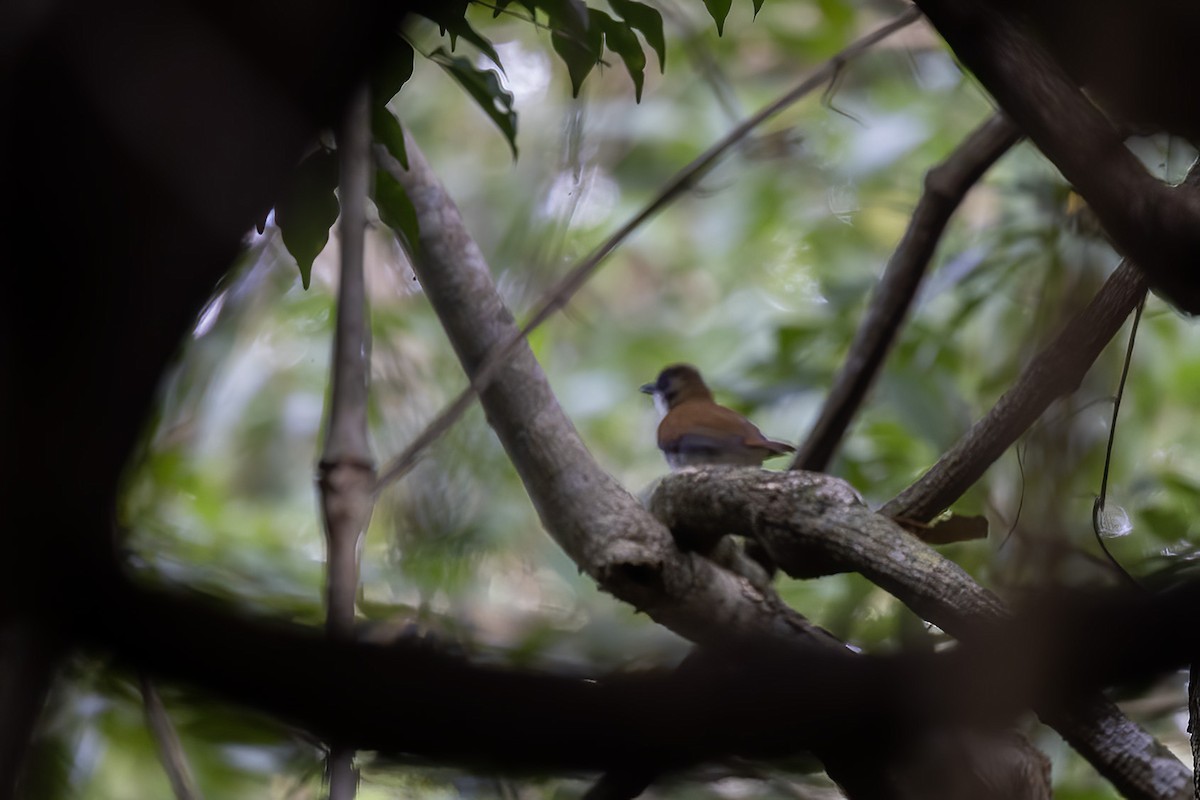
[(945, 187), (1155, 225), (1055, 371)]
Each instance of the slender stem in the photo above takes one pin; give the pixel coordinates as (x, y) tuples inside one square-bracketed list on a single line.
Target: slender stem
[(170, 749), (346, 467), (1098, 506)]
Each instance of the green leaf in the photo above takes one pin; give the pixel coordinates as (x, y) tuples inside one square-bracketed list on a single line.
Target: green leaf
[(308, 208), (647, 20), (460, 27), (570, 15), (580, 48), (394, 69), (758, 4), (396, 210), (719, 10), (621, 39), (484, 86), (500, 5), (387, 132)]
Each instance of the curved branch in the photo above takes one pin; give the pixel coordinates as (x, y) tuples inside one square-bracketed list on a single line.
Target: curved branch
[(813, 524), (1055, 371), (945, 187)]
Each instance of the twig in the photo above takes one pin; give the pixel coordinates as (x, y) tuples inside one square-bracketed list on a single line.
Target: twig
[(945, 187), (1055, 371), (170, 750), (1098, 505), (346, 468), (559, 294)]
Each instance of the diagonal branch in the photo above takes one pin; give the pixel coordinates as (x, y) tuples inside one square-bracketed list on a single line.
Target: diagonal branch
[(945, 187), (1055, 371), (1153, 224), (170, 749), (560, 293)]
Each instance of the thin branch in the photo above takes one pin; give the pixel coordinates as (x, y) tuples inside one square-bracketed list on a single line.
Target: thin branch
[(346, 468), (346, 463), (170, 749), (558, 295), (1154, 225), (1055, 371), (945, 187)]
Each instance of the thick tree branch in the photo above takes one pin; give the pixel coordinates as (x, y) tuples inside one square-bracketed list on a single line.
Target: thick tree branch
[(746, 699), (945, 187), (813, 524), (1155, 225), (1055, 371)]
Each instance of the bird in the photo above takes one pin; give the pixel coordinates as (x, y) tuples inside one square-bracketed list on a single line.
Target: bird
[(696, 430)]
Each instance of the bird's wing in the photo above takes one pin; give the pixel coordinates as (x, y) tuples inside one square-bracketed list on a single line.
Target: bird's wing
[(703, 426)]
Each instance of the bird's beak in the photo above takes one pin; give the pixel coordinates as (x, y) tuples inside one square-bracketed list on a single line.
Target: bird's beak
[(647, 388)]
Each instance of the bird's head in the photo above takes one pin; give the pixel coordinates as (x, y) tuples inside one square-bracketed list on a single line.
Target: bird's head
[(675, 384)]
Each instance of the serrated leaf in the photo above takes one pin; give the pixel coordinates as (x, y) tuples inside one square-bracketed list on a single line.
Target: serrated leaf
[(580, 49), (648, 21), (308, 208), (461, 28), (393, 70), (485, 87), (718, 10), (758, 4), (621, 39), (396, 210), (387, 131)]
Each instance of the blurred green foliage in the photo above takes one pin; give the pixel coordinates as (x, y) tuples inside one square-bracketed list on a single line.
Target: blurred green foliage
[(759, 277)]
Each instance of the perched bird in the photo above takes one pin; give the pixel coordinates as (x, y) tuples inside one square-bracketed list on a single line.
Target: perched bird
[(695, 430)]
